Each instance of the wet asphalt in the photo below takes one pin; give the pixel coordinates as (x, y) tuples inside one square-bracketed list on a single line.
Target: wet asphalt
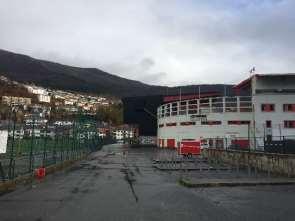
[(119, 183)]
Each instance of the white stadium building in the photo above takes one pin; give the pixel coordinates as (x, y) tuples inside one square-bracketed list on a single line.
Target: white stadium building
[(266, 113)]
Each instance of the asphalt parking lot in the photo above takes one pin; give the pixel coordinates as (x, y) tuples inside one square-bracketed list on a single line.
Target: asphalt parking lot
[(120, 183)]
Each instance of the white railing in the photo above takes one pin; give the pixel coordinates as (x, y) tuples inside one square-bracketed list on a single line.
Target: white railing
[(206, 105)]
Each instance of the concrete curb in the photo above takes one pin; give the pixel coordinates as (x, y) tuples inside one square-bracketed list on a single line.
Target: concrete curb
[(189, 169), (174, 161), (187, 183), (11, 185)]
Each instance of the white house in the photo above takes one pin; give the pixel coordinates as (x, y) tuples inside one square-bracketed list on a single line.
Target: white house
[(44, 98)]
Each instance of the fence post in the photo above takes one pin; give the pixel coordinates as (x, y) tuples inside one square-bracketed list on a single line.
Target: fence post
[(11, 162), (55, 143), (79, 142), (61, 145), (76, 140), (45, 143), (68, 142), (31, 165), (74, 137)]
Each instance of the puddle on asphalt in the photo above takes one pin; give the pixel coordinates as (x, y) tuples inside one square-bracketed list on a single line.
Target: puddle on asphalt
[(77, 190)]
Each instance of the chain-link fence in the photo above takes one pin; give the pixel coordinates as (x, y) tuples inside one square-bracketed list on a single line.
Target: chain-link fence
[(39, 143), (270, 144)]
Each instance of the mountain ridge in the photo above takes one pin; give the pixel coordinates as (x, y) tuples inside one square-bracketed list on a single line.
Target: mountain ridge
[(26, 69)]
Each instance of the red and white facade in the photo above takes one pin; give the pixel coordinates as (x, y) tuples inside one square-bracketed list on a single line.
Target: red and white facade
[(268, 111)]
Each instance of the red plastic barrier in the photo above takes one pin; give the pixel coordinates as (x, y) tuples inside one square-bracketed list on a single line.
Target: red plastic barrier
[(40, 173), (189, 147), (171, 143)]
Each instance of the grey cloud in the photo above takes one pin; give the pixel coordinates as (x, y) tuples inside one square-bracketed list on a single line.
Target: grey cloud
[(141, 71), (155, 78), (191, 41), (147, 63)]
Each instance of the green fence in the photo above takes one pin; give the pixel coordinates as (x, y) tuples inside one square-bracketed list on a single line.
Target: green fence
[(34, 145)]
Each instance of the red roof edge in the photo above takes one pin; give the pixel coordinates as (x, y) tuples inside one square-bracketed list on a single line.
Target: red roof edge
[(244, 83), (190, 96)]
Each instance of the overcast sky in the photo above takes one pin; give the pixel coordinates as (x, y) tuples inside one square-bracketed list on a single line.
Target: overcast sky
[(167, 42)]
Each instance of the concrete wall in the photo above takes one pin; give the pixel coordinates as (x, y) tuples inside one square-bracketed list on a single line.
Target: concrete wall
[(280, 164)]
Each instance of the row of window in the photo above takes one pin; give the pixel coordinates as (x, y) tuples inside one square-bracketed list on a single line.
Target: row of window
[(210, 122), (271, 107), (287, 123)]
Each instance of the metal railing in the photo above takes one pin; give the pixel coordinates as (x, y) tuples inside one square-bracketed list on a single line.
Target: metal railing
[(206, 105), (267, 144)]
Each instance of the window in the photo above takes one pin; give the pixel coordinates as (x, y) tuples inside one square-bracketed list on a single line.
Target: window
[(238, 122), (211, 122), (174, 109), (167, 110), (267, 107), (170, 124), (188, 123), (204, 102), (245, 104), (193, 107), (182, 108), (217, 105), (268, 123), (162, 111), (231, 104), (289, 123), (289, 107)]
